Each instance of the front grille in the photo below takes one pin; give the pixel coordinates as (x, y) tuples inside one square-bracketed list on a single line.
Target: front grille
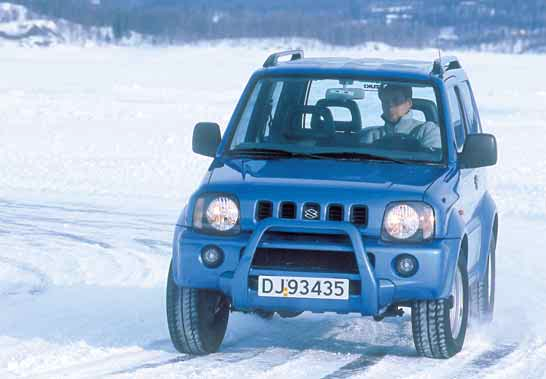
[(264, 210), (313, 238), (307, 260), (288, 210), (313, 211), (335, 212), (359, 215)]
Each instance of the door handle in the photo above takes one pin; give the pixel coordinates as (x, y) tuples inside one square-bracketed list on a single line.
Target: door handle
[(476, 181)]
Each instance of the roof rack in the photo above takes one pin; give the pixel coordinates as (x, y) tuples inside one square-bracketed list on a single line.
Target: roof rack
[(273, 59), (443, 64)]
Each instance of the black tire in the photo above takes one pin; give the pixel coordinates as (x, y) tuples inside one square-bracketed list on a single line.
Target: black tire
[(431, 326), (197, 318), (482, 296)]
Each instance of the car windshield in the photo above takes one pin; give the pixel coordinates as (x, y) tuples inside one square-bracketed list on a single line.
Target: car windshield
[(339, 118)]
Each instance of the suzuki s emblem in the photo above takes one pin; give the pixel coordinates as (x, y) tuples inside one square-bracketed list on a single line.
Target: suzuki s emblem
[(311, 214)]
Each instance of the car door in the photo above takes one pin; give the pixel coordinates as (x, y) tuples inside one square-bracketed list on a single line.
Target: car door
[(468, 188), (476, 180)]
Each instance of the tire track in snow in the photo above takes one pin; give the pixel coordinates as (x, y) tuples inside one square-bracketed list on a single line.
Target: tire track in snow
[(204, 363), (266, 360), (531, 364), (131, 263), (240, 364), (138, 221), (100, 368), (8, 221), (358, 366), (43, 279), (155, 355), (491, 357), (87, 210), (310, 364), (39, 231), (143, 366), (155, 245), (473, 366), (77, 238), (101, 224)]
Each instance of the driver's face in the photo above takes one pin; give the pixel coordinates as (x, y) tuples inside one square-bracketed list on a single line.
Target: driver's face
[(394, 105)]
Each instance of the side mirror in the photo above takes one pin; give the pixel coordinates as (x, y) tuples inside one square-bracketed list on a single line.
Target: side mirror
[(206, 138), (479, 150)]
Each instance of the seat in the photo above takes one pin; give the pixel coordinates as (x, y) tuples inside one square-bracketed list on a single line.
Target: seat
[(429, 109), (345, 131), (322, 124)]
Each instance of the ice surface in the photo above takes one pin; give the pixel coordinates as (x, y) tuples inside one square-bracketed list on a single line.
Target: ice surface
[(96, 163)]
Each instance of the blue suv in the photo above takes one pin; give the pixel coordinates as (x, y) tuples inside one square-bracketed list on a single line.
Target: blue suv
[(341, 185)]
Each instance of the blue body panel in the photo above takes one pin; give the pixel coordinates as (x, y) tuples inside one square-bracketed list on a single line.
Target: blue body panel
[(375, 184), (487, 211)]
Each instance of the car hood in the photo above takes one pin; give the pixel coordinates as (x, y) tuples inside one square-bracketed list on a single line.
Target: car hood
[(326, 174)]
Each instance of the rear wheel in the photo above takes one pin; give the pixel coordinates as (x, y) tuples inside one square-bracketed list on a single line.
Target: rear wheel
[(197, 318), (483, 291), (439, 326)]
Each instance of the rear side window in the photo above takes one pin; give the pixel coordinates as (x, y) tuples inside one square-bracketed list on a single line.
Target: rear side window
[(470, 108), (457, 118)]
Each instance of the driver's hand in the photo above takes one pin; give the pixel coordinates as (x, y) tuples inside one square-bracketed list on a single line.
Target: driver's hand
[(371, 135)]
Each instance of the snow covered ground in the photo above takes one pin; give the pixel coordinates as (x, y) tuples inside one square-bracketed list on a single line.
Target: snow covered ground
[(96, 163)]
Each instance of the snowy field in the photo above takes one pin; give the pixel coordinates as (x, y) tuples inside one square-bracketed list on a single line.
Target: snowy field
[(96, 163)]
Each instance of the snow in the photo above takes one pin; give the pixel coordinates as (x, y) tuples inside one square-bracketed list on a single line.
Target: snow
[(97, 163)]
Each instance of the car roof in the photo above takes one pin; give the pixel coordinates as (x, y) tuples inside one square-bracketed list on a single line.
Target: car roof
[(374, 67)]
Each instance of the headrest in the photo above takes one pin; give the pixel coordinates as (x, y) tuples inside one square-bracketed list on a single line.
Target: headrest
[(355, 125), (322, 124), (428, 107)]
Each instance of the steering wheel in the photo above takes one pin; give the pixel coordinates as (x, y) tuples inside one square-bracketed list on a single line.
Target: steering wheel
[(399, 141)]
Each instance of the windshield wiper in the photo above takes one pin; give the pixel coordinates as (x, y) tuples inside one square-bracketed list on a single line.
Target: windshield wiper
[(275, 153), (280, 153), (361, 156)]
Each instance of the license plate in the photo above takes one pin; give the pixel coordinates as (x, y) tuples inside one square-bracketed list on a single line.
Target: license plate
[(308, 288)]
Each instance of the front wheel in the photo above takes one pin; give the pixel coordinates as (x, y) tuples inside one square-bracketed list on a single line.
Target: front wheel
[(439, 326), (197, 318)]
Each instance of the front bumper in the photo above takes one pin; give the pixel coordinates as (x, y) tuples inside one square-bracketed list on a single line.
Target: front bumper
[(379, 285)]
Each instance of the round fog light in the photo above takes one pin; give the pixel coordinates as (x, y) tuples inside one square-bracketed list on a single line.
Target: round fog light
[(212, 256), (406, 265)]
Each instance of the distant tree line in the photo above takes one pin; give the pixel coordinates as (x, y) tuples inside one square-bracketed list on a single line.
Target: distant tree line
[(413, 23)]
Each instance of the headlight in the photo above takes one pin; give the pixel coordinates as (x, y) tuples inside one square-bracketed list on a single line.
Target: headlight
[(222, 213), (216, 213), (408, 221)]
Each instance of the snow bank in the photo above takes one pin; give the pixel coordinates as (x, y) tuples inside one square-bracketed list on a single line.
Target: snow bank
[(19, 26)]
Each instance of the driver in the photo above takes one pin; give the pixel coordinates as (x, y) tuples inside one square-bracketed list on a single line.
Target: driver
[(396, 103)]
